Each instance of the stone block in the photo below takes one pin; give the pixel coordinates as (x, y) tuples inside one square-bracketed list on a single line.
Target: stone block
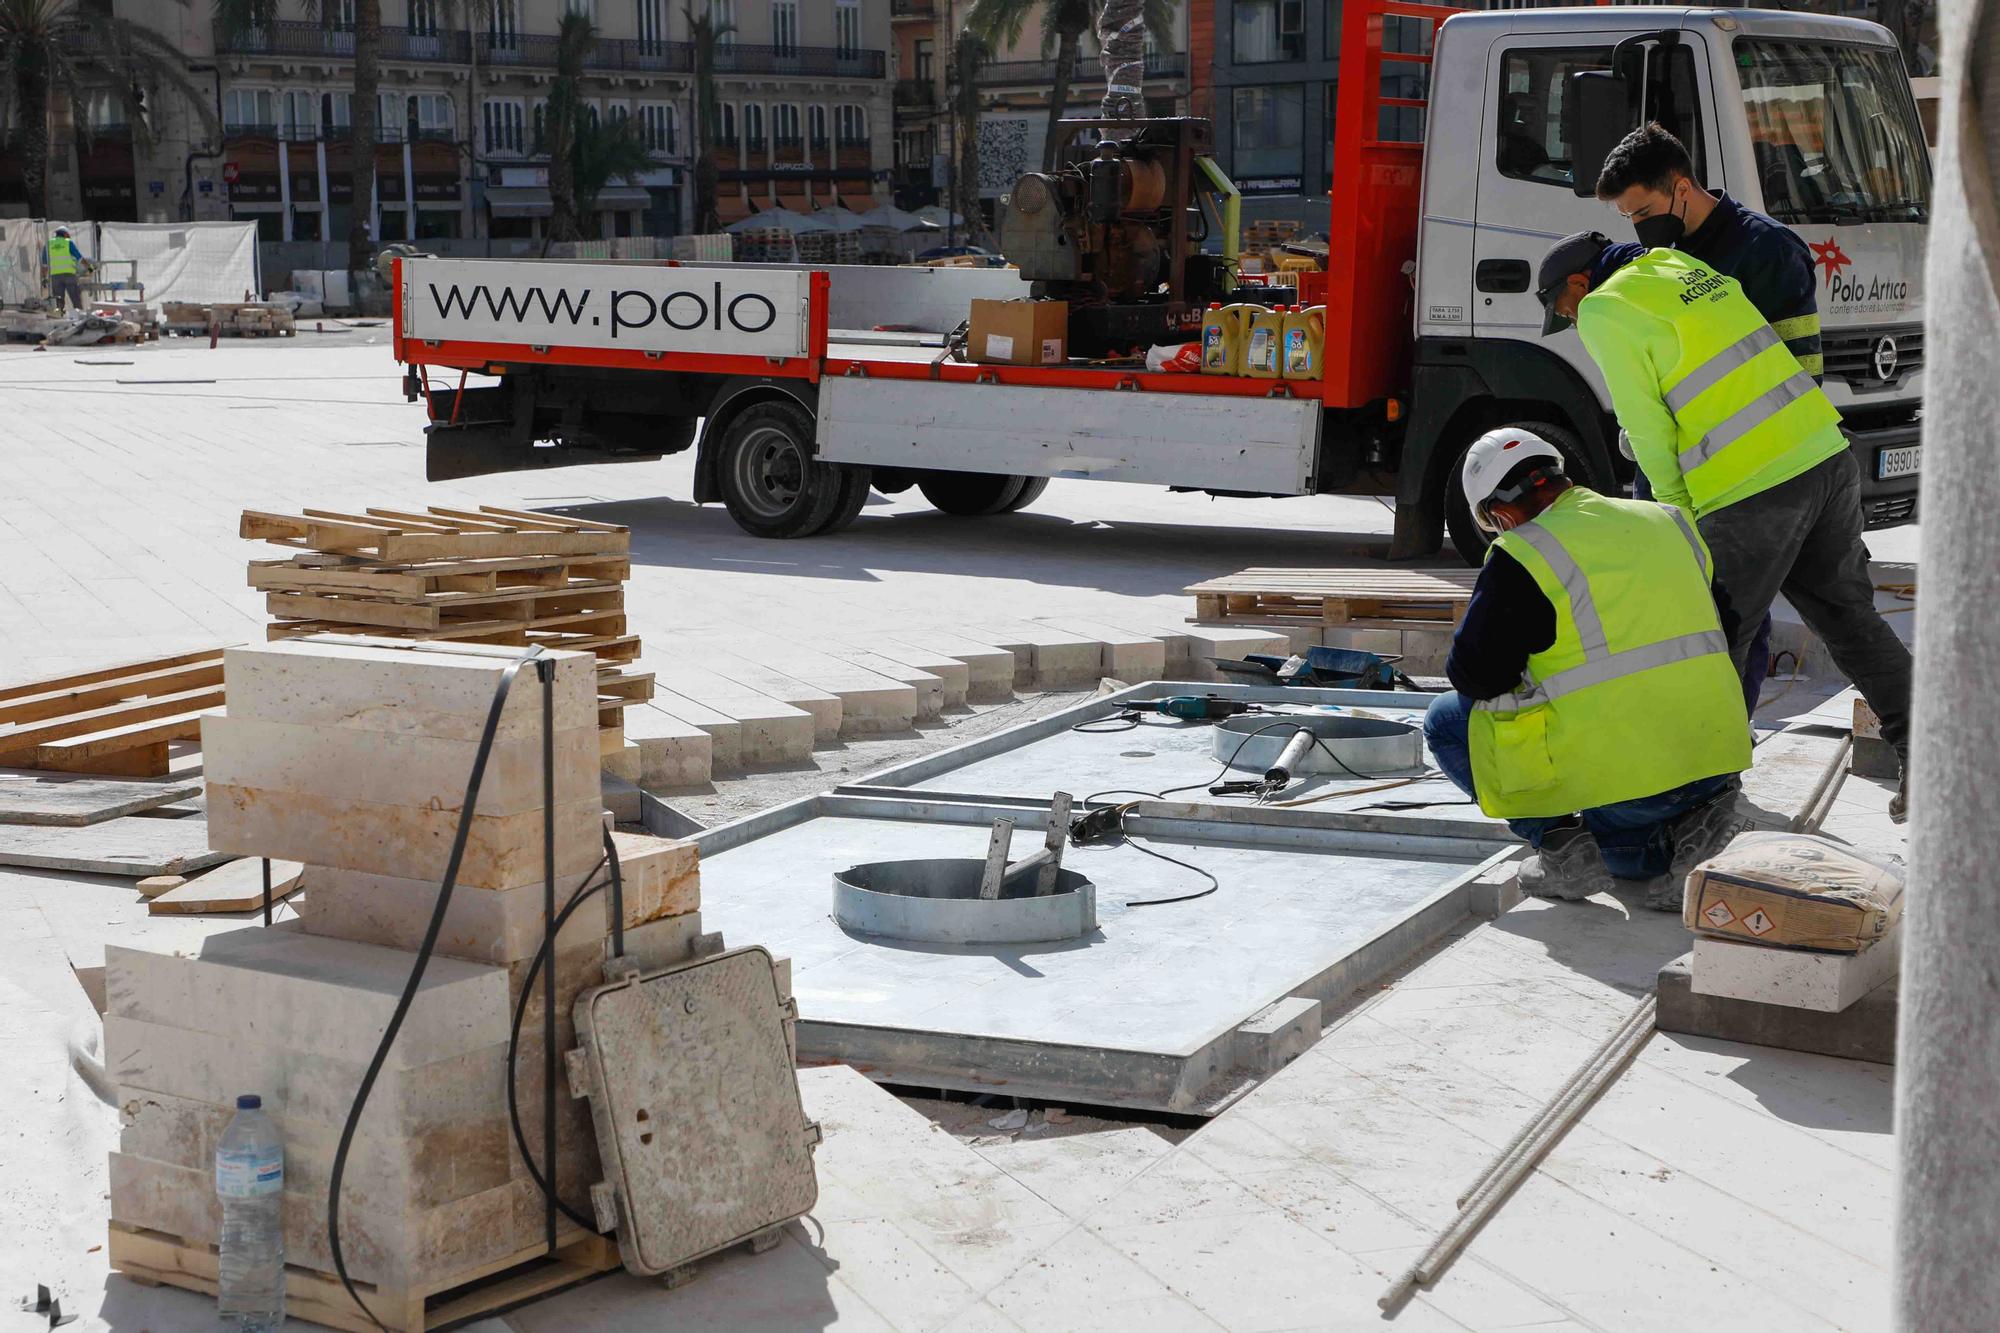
[(394, 768), (1276, 1035), (1044, 658), (928, 687), (332, 829), (621, 799), (989, 669), (625, 761), (1828, 982), (427, 689), (1127, 654), (954, 676), (725, 733), (1865, 1030), (766, 701), (672, 753), (308, 993)]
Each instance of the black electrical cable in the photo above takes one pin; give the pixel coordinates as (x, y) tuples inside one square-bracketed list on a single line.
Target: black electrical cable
[(409, 994)]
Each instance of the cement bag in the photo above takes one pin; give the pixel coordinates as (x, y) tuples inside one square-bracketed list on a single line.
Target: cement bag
[(1794, 891)]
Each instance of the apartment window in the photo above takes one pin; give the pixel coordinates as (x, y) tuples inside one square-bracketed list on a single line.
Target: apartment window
[(753, 127), (433, 115), (1268, 135), (785, 126), (923, 59), (652, 26), (722, 13), (847, 26), (505, 120), (1333, 21), (725, 123), (300, 117), (337, 15), (105, 110), (659, 123), (503, 26), (617, 113), (785, 26), (850, 125), (249, 109), (538, 125), (336, 111), (587, 8), (423, 18), (1267, 30), (816, 122)]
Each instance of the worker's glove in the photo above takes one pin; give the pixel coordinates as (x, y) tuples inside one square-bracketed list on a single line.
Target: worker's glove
[(1625, 447)]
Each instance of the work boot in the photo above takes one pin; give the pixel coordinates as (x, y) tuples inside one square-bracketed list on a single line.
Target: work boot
[(1699, 834), (1899, 804), (1665, 893), (1568, 865)]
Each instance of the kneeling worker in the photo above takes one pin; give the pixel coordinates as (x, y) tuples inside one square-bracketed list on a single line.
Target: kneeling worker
[(1596, 707)]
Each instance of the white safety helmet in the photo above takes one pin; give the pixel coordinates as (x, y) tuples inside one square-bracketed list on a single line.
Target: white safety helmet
[(1493, 459)]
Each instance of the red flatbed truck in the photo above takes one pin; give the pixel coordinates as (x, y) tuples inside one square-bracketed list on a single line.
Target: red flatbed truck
[(1456, 158)]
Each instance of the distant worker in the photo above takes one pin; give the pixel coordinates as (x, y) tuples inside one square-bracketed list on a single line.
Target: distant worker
[(1595, 707), (1649, 179), (65, 262), (1729, 426)]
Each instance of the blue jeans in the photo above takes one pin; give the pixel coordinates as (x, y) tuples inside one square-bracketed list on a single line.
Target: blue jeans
[(1634, 835)]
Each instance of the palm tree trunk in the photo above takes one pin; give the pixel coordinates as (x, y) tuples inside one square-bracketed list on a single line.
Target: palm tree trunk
[(367, 80), (1066, 47), (32, 94), (563, 222)]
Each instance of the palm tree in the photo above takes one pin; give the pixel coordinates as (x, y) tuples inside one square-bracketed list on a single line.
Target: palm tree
[(584, 153), (705, 34), (53, 52), (1064, 22), (967, 59)]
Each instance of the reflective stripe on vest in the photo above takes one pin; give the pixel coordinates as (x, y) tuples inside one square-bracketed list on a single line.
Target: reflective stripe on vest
[(1801, 335), (1747, 418), (1582, 606), (1694, 541), (1711, 372), (62, 259)]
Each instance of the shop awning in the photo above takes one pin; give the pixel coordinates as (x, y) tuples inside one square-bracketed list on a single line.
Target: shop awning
[(859, 203), (731, 208), (517, 201), (618, 198)]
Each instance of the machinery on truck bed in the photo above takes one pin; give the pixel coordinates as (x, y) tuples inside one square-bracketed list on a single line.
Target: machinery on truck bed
[(1464, 144)]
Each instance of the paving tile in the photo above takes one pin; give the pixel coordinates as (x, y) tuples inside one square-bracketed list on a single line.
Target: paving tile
[(1180, 1186), (1077, 1172), (1083, 1285), (1470, 1291)]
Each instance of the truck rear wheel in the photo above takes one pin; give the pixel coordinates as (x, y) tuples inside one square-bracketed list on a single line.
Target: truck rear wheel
[(971, 494), (1031, 491), (854, 486), (1466, 533), (770, 482)]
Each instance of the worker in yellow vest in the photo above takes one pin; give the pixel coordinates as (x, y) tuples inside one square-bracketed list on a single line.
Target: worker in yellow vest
[(1594, 704), (65, 263), (1732, 429)]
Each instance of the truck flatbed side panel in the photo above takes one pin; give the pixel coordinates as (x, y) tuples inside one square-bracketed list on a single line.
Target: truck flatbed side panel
[(619, 312), (1265, 446)]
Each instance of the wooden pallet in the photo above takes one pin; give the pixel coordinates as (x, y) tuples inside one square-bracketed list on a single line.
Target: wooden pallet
[(157, 1259), (1381, 598), (403, 537), (116, 721)]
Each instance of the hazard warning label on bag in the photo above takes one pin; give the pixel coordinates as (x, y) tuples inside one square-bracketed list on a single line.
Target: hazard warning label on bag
[(1718, 915), (1759, 924)]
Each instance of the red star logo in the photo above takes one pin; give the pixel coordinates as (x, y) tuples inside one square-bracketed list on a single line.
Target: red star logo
[(1827, 255)]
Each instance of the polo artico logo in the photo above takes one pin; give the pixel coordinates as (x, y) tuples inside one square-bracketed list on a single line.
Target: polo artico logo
[(1856, 290), (621, 311)]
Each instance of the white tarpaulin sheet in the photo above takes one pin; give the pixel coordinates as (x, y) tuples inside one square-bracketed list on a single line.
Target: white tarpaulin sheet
[(198, 262), (24, 249)]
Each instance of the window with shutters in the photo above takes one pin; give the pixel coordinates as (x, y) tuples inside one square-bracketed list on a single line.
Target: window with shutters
[(503, 26), (659, 122), (250, 111), (816, 122), (505, 120), (753, 127), (847, 27), (300, 121), (652, 27), (850, 126), (785, 27)]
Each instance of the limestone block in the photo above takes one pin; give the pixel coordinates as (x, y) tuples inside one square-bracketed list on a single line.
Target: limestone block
[(394, 768), (330, 829), (1128, 655), (621, 799), (954, 677), (625, 761), (1827, 982), (672, 753), (427, 689), (989, 670), (1044, 658), (661, 878)]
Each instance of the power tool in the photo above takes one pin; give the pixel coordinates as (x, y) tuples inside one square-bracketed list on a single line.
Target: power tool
[(1192, 707)]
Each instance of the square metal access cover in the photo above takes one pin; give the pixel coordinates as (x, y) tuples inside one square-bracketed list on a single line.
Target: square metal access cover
[(700, 1129)]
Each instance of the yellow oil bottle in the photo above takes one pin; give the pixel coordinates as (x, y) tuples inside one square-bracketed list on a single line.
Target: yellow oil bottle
[(1263, 343), (1221, 340), (1305, 339)]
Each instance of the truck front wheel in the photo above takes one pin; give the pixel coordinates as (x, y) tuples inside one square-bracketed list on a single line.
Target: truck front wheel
[(1466, 534), (971, 494), (770, 482)]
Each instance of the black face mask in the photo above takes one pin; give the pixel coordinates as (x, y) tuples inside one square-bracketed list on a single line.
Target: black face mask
[(1662, 230)]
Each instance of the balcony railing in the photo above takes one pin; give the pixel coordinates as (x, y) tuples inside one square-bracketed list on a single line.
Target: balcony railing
[(338, 134), (903, 9), (1169, 65), (534, 51)]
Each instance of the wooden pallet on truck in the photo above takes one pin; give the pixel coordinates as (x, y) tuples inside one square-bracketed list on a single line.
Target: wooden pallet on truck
[(115, 721), (1433, 599), (153, 1258)]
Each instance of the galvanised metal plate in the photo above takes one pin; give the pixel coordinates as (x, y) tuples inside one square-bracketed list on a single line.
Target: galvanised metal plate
[(1141, 1012), (1160, 754), (700, 1128)]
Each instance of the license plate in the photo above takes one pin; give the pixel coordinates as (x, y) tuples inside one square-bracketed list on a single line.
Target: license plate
[(1901, 462)]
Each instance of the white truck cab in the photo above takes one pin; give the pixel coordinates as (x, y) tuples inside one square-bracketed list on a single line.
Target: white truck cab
[(1804, 117)]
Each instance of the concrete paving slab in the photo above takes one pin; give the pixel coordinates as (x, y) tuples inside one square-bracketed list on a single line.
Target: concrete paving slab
[(725, 733), (1128, 654), (771, 731), (990, 670), (954, 676), (1190, 646), (52, 798), (929, 686), (1045, 658), (672, 753), (129, 845), (869, 704)]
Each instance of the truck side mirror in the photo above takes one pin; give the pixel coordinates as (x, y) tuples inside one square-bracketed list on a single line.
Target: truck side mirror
[(1596, 115)]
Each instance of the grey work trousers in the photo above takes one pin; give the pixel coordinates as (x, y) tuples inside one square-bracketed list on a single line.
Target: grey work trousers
[(65, 285), (1802, 538)]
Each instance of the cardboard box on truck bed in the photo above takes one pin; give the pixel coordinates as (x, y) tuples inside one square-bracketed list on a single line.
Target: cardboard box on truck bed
[(1019, 333), (1793, 891)]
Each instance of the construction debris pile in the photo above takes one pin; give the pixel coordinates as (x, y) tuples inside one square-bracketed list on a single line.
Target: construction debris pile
[(490, 575), (352, 756), (230, 319)]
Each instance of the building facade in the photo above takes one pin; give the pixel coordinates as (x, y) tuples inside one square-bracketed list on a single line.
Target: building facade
[(803, 90)]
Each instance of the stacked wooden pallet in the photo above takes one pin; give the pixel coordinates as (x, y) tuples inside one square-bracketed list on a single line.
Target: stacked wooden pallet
[(1366, 598), (233, 319), (116, 721), (490, 575)]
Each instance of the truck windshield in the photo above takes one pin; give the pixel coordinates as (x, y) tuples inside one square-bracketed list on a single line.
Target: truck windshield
[(1835, 136)]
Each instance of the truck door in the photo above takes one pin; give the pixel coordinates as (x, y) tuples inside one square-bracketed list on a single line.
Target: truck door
[(1526, 196)]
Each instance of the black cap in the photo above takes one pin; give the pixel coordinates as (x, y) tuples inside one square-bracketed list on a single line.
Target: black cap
[(1571, 255)]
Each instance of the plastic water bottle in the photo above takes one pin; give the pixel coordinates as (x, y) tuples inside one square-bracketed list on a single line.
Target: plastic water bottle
[(250, 1181)]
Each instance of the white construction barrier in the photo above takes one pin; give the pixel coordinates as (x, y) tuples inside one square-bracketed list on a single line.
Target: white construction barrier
[(196, 262)]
